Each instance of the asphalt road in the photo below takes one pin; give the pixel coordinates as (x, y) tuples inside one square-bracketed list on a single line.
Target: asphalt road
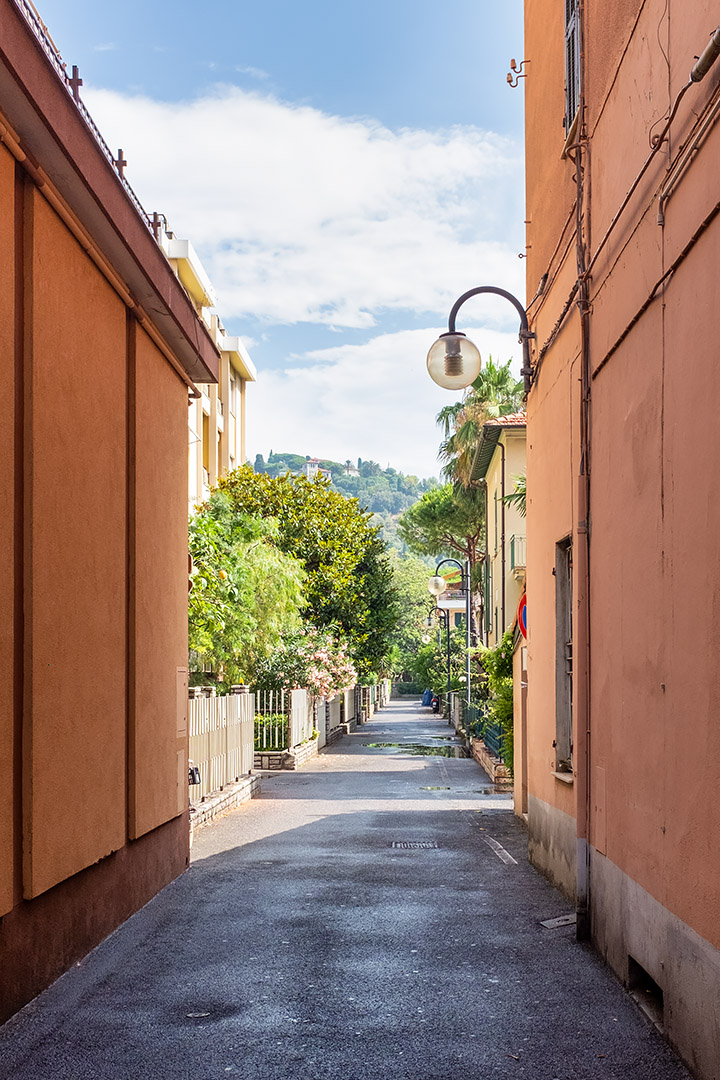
[(372, 916)]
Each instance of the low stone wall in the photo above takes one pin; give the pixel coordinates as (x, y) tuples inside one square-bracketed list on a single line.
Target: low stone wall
[(219, 802), (300, 754), (275, 760), (493, 766)]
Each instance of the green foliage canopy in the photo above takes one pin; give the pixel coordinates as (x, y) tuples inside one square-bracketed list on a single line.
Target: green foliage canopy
[(446, 521), (349, 581), (410, 580), (245, 591)]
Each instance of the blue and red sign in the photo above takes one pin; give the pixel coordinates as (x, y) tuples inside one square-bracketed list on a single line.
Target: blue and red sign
[(522, 615)]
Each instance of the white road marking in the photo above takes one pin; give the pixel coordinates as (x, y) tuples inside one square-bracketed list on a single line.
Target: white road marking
[(499, 850)]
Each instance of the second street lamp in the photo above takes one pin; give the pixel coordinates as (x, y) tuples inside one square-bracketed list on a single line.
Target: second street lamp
[(437, 586), (443, 617)]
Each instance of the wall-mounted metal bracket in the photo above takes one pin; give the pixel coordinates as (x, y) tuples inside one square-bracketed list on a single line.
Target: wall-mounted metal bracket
[(516, 72)]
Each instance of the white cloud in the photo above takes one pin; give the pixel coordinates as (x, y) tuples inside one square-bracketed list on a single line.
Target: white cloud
[(303, 216), (108, 46), (372, 401), (247, 69)]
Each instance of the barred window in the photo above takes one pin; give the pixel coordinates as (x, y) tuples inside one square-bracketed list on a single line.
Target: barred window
[(572, 61)]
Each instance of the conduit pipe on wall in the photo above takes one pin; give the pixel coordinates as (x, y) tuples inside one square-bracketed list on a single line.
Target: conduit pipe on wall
[(698, 73), (707, 58), (683, 160), (582, 666), (45, 186), (657, 144)]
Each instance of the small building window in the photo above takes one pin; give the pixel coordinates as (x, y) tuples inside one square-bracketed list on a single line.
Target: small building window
[(572, 61), (563, 656)]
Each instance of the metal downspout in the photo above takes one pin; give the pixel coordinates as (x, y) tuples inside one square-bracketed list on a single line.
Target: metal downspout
[(484, 631), (468, 634), (582, 751)]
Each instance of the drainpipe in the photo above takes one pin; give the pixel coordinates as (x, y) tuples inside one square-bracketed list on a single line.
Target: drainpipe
[(468, 634), (484, 631), (582, 751)]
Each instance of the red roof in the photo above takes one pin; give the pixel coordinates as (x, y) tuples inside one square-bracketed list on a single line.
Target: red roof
[(515, 419)]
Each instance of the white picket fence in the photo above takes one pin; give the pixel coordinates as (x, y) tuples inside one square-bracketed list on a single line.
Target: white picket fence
[(301, 717), (222, 740), (222, 729)]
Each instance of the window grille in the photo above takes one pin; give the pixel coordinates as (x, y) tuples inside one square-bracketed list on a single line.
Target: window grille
[(572, 60)]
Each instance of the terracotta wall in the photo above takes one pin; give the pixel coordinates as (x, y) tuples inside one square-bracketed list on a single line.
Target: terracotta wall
[(93, 601), (654, 751), (158, 728), (8, 682), (75, 550)]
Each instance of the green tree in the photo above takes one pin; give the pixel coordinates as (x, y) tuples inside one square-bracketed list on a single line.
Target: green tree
[(497, 664), (245, 592), (430, 662), (410, 579), (449, 521), (349, 582)]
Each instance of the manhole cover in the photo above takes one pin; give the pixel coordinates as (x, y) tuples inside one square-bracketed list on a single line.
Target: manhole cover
[(413, 845), (561, 920)]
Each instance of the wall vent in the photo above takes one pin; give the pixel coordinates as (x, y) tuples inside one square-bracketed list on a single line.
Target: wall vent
[(646, 992)]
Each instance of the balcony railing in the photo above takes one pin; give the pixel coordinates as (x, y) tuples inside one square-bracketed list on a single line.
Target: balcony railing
[(518, 554)]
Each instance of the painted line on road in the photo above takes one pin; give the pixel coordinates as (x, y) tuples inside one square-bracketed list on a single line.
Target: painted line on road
[(499, 850)]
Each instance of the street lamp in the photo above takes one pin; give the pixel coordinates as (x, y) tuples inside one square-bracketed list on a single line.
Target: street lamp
[(443, 617), (437, 585), (453, 362)]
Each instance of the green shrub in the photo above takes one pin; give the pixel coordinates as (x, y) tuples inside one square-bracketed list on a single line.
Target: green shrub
[(498, 666), (272, 732)]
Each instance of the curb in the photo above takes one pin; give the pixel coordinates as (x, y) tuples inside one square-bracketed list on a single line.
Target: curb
[(220, 802)]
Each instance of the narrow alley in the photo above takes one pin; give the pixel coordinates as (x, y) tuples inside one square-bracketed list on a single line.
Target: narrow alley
[(373, 915)]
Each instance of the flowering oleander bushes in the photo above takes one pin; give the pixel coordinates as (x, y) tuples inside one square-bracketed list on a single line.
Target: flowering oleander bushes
[(314, 659)]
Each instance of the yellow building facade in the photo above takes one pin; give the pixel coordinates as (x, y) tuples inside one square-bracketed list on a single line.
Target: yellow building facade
[(499, 461), (216, 418)]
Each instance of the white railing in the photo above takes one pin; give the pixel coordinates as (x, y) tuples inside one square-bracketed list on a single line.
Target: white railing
[(518, 552), (301, 717), (222, 740)]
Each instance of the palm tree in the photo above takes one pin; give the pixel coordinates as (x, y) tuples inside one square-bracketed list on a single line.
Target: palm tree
[(518, 497), (494, 393)]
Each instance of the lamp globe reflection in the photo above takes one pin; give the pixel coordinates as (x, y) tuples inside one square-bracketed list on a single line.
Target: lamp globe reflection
[(453, 361)]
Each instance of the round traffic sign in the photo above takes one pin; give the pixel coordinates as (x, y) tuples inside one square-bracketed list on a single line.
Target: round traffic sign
[(522, 615)]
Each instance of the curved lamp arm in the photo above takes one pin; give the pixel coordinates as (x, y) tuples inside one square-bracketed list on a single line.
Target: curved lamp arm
[(525, 334), (460, 567)]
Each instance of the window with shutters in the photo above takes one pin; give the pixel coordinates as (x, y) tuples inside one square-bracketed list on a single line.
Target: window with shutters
[(563, 742), (572, 61)]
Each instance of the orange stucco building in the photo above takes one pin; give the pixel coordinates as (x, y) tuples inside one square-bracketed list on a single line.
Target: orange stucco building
[(620, 742), (99, 347)]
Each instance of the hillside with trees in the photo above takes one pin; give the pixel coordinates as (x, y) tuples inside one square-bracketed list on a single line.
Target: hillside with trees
[(386, 493)]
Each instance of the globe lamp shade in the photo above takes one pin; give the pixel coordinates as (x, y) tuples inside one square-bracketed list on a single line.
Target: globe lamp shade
[(437, 585), (453, 361)]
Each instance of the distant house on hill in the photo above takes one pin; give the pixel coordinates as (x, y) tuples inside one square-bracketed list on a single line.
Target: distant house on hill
[(313, 468)]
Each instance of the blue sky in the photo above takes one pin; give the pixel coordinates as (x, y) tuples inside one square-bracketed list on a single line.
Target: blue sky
[(344, 170)]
